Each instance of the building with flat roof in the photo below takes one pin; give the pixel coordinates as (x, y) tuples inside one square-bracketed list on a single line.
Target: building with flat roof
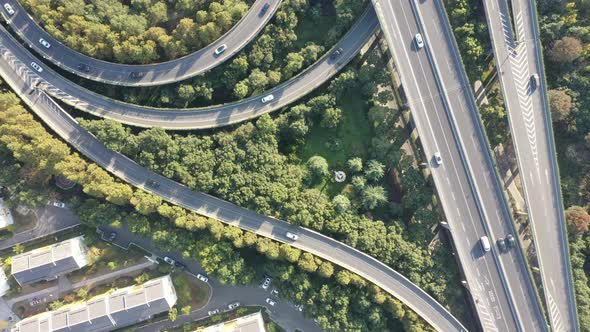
[(49, 262), (117, 309), (4, 286), (249, 323), (5, 215)]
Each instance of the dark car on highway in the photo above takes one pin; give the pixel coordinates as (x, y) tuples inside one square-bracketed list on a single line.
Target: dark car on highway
[(84, 67), (137, 74), (336, 53), (264, 8)]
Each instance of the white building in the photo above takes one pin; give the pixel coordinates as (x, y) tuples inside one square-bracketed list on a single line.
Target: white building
[(107, 312), (249, 323), (49, 262)]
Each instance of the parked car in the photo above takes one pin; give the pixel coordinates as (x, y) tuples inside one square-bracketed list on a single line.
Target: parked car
[(9, 9), (137, 74), (169, 260), (213, 312), (266, 283), (336, 53), (264, 8), (84, 67), (202, 278), (112, 236), (292, 236), (271, 301), (220, 49), (36, 67), (44, 42), (511, 240), (534, 81), (419, 41), (438, 158), (59, 204), (179, 266), (501, 245), (233, 305), (268, 98)]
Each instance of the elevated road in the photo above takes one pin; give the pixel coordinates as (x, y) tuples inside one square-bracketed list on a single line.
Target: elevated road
[(445, 115), (517, 49), (21, 78), (172, 71), (201, 118)]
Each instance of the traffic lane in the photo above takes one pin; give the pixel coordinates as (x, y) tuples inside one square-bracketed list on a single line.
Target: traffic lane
[(160, 73), (441, 129), (480, 164), (320, 245), (214, 116), (472, 246)]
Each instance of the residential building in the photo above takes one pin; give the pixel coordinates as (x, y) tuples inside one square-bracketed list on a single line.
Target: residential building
[(249, 323), (49, 262), (114, 310)]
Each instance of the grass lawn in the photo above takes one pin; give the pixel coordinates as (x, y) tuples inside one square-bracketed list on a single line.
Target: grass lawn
[(190, 290), (308, 30), (353, 137)]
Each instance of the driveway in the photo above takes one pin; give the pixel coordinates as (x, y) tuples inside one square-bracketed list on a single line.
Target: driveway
[(284, 313), (50, 220)]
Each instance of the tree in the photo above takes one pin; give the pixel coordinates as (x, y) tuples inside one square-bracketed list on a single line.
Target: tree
[(318, 167), (186, 310), (186, 93), (373, 196), (341, 203), (358, 183), (565, 50), (326, 269), (18, 248), (560, 103), (331, 117), (173, 314), (374, 170), (355, 165), (577, 219)]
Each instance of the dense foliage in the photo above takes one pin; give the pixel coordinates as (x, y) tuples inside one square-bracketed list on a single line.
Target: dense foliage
[(137, 31), (286, 46)]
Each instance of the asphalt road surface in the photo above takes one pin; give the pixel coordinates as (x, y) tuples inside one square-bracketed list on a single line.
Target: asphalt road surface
[(153, 74), (18, 75), (442, 106), (530, 125), (210, 117)]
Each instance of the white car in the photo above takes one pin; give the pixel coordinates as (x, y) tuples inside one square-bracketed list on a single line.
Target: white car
[(202, 278), (9, 9), (169, 260), (36, 67), (271, 301), (220, 49), (59, 204), (44, 43), (268, 98), (233, 305), (419, 41), (213, 312), (266, 283), (438, 158), (292, 236)]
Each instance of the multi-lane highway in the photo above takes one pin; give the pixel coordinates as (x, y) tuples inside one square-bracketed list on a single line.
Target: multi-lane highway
[(153, 74), (517, 50), (22, 80), (442, 106), (210, 117)]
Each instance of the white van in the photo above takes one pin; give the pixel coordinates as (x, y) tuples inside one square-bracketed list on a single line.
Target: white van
[(485, 243)]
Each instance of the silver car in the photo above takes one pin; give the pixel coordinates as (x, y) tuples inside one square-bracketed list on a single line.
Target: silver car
[(419, 41), (9, 9), (36, 67), (44, 43)]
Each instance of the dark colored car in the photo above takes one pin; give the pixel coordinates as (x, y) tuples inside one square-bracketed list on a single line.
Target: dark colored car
[(336, 53), (511, 240), (152, 183), (179, 265), (502, 245), (137, 74), (112, 236), (264, 8), (84, 67)]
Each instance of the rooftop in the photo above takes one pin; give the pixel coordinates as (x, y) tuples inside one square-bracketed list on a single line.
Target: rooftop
[(49, 262), (249, 323), (106, 312)]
